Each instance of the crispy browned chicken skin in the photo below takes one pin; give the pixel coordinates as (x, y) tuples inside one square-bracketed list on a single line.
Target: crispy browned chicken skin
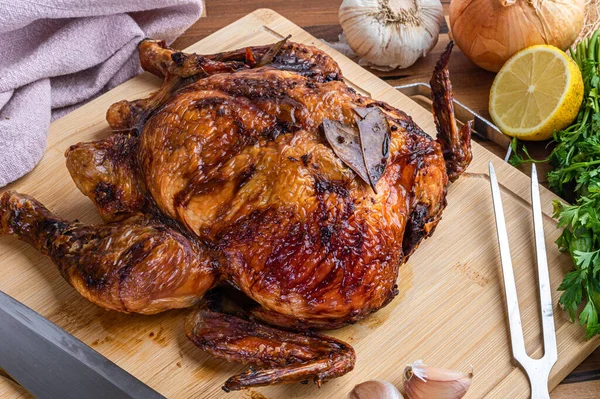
[(223, 180)]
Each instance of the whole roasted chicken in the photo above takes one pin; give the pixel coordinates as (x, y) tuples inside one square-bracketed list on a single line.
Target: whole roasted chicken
[(258, 185)]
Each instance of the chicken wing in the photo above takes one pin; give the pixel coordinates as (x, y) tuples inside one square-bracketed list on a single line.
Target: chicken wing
[(456, 143), (279, 356)]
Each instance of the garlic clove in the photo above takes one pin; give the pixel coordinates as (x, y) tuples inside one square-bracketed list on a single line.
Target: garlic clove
[(422, 381), (375, 389)]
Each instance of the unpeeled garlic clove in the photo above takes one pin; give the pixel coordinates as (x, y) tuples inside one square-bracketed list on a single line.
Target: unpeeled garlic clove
[(424, 382), (375, 389)]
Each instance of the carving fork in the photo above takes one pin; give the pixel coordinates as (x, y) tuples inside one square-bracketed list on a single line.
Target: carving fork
[(537, 370)]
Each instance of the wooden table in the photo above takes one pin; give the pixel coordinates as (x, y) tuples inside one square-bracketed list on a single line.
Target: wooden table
[(471, 86)]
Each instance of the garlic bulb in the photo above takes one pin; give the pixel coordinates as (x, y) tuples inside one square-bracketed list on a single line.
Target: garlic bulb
[(391, 34), (424, 382), (375, 389), (489, 32)]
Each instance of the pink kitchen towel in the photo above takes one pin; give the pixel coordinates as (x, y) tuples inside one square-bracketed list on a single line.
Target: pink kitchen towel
[(57, 54)]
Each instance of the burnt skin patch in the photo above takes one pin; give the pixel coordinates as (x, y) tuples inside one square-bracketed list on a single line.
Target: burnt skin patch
[(245, 176), (178, 58), (208, 102), (106, 193), (94, 283), (326, 232), (324, 186), (53, 227), (415, 228), (306, 159), (134, 254)]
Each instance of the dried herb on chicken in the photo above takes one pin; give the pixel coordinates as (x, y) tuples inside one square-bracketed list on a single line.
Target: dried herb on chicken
[(374, 142), (345, 142), (576, 176), (364, 150), (272, 52)]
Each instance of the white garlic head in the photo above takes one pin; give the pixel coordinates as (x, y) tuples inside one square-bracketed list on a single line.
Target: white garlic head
[(391, 33)]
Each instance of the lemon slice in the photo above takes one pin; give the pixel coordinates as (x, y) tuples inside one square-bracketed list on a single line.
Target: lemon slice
[(538, 90)]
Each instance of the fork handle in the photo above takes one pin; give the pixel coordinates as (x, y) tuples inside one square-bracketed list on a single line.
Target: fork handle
[(539, 388)]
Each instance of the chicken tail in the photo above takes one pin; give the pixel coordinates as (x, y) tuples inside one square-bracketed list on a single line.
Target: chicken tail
[(456, 143), (280, 356)]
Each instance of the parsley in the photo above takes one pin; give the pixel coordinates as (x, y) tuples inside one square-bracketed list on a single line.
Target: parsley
[(516, 159), (576, 175)]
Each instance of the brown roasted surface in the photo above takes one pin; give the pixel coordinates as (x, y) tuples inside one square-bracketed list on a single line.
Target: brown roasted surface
[(224, 177)]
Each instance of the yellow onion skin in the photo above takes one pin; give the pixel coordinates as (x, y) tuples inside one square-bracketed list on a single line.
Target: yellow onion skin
[(489, 32)]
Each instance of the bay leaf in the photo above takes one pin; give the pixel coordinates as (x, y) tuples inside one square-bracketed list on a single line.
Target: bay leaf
[(362, 111), (345, 142), (272, 52), (374, 133)]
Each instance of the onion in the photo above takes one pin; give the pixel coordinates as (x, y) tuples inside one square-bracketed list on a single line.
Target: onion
[(489, 32)]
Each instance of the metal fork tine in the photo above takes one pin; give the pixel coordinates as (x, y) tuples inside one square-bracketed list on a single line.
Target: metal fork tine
[(550, 351), (510, 288)]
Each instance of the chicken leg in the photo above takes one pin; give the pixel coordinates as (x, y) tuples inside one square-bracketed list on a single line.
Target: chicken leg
[(138, 265)]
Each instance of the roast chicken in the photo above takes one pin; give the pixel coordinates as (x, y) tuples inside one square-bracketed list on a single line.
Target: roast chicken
[(221, 191)]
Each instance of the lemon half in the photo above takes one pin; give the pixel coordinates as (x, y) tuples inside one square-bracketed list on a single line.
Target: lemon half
[(538, 90)]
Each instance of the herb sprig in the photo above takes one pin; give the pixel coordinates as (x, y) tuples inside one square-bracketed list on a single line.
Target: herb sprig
[(576, 175)]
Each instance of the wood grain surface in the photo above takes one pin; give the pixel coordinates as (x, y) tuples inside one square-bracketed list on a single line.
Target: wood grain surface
[(450, 311), (471, 86)]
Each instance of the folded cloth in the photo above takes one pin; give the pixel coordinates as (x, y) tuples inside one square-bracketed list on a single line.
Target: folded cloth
[(57, 54)]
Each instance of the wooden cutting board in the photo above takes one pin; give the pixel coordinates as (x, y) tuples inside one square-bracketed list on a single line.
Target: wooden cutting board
[(450, 310)]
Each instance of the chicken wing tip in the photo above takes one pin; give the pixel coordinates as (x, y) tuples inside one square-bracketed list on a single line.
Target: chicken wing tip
[(443, 61)]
